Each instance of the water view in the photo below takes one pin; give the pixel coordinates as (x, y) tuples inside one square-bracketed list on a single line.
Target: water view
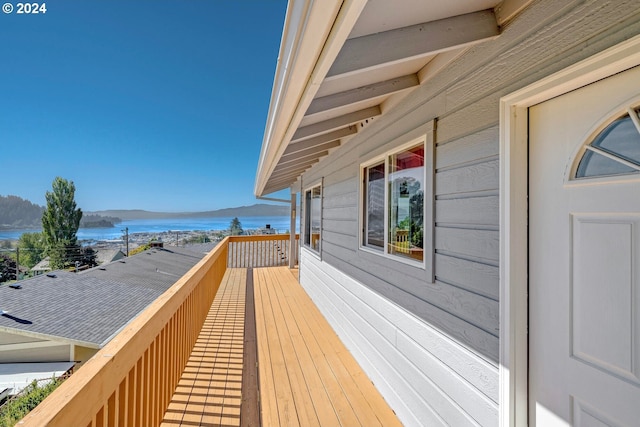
[(280, 223)]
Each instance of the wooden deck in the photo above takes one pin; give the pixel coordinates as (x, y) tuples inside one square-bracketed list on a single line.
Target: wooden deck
[(306, 375)]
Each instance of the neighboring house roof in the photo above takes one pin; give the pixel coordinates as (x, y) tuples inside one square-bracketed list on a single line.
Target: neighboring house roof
[(203, 248), (104, 256), (90, 307), (42, 265), (156, 268), (340, 67)]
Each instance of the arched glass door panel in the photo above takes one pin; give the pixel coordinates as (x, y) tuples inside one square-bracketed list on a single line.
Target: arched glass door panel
[(613, 151)]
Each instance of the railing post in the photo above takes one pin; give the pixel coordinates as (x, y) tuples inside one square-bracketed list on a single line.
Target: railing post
[(292, 233)]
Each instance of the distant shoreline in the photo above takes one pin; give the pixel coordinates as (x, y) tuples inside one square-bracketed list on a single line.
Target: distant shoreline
[(280, 224), (257, 210), (253, 211)]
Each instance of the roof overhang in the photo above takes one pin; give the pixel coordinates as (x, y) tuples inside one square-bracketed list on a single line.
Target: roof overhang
[(342, 64), (49, 340)]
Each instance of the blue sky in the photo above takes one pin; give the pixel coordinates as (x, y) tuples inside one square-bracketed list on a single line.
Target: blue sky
[(157, 105)]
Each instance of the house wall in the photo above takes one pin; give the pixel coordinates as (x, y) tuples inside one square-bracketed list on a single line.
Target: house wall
[(82, 354), (16, 348), (432, 348)]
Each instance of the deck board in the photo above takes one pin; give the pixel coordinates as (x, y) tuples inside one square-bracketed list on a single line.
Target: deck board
[(293, 372), (250, 407), (337, 390), (306, 375), (356, 386)]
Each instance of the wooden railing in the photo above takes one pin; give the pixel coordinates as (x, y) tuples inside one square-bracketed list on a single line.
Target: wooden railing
[(259, 251), (132, 379)]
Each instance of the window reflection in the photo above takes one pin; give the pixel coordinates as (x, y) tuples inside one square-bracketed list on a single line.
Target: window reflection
[(374, 206), (406, 203), (313, 212)]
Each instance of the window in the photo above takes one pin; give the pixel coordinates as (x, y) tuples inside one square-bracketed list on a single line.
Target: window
[(615, 150), (312, 215), (374, 202), (394, 189)]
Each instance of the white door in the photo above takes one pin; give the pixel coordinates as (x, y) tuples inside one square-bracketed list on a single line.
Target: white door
[(584, 256)]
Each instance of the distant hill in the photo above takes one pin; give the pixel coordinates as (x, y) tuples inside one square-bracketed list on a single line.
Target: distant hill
[(16, 212), (261, 209)]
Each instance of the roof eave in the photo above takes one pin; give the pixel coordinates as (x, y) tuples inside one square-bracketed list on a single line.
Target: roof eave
[(47, 337), (313, 35)]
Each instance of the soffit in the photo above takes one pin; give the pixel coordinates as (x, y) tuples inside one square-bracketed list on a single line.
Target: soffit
[(384, 55), (384, 15)]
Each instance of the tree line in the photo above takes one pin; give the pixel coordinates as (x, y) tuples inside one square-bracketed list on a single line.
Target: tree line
[(16, 212)]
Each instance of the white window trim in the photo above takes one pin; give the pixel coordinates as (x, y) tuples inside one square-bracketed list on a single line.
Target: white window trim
[(513, 397), (316, 184), (424, 135)]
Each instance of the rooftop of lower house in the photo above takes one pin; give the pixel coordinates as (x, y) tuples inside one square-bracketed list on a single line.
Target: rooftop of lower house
[(88, 308)]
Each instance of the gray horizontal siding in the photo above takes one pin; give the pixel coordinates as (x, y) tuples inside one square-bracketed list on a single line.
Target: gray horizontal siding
[(468, 179), (481, 244), (471, 211), (481, 145), (472, 276)]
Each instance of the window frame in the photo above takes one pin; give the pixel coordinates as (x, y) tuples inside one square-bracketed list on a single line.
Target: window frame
[(363, 201), (308, 220), (424, 136)]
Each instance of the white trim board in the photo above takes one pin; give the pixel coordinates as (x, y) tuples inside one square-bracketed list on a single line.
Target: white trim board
[(514, 211)]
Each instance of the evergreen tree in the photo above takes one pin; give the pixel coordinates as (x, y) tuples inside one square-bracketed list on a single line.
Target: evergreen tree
[(235, 227), (60, 222)]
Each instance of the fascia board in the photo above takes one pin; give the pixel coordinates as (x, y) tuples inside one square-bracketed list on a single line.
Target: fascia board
[(320, 29), (47, 337)]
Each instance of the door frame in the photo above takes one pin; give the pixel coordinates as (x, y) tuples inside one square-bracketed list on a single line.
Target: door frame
[(513, 397)]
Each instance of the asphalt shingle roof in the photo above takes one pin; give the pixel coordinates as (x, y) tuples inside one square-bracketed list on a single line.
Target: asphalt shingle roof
[(91, 306), (104, 256)]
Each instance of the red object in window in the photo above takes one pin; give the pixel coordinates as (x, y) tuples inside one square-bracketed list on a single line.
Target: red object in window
[(412, 158)]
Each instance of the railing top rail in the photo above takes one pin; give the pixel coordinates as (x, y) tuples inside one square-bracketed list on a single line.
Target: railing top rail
[(260, 237)]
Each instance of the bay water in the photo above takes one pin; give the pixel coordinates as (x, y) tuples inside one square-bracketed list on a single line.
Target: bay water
[(280, 223)]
